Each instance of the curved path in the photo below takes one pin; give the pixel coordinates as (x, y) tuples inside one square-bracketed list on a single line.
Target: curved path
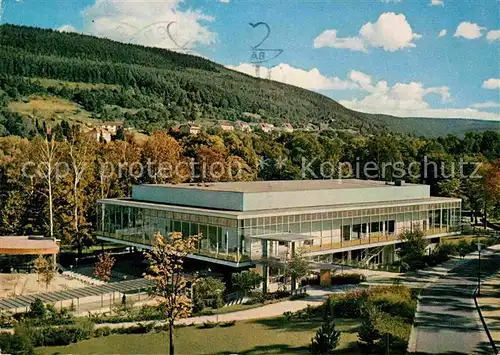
[(447, 321)]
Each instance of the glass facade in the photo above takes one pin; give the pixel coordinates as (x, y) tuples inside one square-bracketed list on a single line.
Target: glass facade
[(139, 225), (232, 238)]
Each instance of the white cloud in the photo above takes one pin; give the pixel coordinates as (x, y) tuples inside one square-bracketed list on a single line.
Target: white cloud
[(307, 79), (487, 104), (469, 30), (493, 35), (408, 100), (146, 23), (491, 84), (391, 32), (67, 28), (442, 33), (224, 1), (329, 38), (401, 99), (437, 3), (391, 1)]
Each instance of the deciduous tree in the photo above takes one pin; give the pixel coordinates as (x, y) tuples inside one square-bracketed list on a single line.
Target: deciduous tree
[(104, 265), (166, 270)]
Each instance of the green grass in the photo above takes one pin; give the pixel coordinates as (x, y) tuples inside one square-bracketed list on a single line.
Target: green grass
[(52, 110), (456, 240), (73, 85), (263, 336)]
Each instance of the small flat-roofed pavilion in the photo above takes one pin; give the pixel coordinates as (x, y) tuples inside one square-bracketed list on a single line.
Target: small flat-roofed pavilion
[(28, 245)]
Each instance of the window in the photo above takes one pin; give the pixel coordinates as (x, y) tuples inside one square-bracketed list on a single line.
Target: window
[(185, 229), (390, 226), (177, 226), (346, 232), (374, 227)]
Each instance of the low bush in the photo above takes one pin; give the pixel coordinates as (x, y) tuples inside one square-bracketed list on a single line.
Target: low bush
[(102, 332), (209, 324), (56, 335), (348, 279), (253, 301), (6, 320), (141, 328), (349, 305), (15, 344), (228, 324), (298, 296)]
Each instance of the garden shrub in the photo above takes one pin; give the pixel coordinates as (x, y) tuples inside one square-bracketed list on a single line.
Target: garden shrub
[(141, 328), (15, 344), (396, 300), (298, 296), (102, 332), (253, 301), (57, 335), (37, 309), (349, 305), (198, 305), (218, 302), (228, 323), (348, 279), (209, 324), (6, 320)]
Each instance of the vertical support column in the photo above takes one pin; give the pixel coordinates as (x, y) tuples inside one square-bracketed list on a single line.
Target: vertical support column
[(217, 242), (294, 279), (265, 274), (227, 242), (341, 231)]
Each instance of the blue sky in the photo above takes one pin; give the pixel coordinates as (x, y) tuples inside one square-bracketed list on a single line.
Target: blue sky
[(429, 58)]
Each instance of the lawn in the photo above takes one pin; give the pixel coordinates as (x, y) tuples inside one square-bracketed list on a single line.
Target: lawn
[(255, 337), (457, 239), (52, 109)]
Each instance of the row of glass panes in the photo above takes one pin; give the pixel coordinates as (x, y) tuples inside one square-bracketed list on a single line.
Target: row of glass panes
[(187, 217), (435, 217), (299, 218)]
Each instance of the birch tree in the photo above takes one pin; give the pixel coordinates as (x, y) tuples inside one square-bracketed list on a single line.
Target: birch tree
[(47, 155)]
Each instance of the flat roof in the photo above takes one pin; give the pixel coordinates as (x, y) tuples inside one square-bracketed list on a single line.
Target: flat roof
[(279, 185), (23, 245)]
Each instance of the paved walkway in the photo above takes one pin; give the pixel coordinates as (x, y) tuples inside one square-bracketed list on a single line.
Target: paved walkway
[(447, 321), (489, 301), (315, 297)]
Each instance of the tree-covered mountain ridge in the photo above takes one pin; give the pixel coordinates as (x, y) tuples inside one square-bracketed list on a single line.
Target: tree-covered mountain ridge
[(164, 87)]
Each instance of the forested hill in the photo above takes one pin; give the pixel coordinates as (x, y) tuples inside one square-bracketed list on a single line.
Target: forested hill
[(163, 85), (152, 88)]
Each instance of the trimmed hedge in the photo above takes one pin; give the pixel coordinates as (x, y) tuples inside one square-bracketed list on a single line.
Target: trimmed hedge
[(348, 279)]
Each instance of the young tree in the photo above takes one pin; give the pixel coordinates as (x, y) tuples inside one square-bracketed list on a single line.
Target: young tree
[(413, 248), (45, 269), (103, 266), (81, 155), (246, 281), (327, 337), (296, 268), (369, 336), (210, 288), (46, 152), (166, 265)]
